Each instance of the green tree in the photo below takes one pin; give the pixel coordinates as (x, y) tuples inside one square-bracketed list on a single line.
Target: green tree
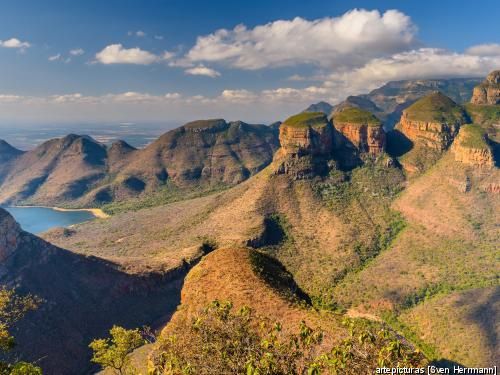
[(113, 353), (12, 309)]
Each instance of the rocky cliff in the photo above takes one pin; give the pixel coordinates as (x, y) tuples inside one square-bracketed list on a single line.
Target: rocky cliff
[(361, 129), (472, 147), (488, 92), (306, 133), (306, 143), (432, 121)]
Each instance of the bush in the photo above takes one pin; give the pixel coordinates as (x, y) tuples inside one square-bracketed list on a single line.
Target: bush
[(221, 341)]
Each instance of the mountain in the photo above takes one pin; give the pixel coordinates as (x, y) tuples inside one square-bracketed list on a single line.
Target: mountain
[(59, 170), (333, 232), (388, 101), (358, 102), (83, 296), (78, 171), (323, 107), (7, 152)]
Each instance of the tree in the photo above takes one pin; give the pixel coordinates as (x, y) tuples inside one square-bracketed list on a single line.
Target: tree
[(12, 309), (113, 353)]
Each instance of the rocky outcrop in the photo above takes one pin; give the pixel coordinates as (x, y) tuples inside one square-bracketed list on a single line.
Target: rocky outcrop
[(306, 144), (362, 129), (488, 92), (471, 146), (306, 134), (432, 121)]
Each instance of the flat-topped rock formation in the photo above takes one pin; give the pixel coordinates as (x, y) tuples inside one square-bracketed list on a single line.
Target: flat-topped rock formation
[(472, 147), (361, 128), (488, 92), (306, 133), (432, 121)]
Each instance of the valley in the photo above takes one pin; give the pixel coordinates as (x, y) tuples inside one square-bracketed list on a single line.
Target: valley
[(325, 219)]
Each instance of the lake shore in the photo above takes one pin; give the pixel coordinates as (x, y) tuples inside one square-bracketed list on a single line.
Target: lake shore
[(97, 212)]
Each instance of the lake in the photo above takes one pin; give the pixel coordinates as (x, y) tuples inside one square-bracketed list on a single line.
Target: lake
[(40, 219)]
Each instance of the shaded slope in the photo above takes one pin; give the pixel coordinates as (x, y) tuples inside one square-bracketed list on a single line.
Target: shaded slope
[(82, 298)]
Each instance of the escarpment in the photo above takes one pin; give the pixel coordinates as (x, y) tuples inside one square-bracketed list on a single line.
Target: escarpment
[(361, 128), (488, 92), (471, 146)]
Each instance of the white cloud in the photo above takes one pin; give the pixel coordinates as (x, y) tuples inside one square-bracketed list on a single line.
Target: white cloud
[(116, 54), (158, 37), (14, 43), (9, 98), (202, 70), (55, 57), (140, 34), (172, 96), (351, 39), (416, 64), (76, 52), (238, 95), (488, 49)]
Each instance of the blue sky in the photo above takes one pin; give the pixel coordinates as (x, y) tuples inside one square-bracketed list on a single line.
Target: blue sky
[(154, 60)]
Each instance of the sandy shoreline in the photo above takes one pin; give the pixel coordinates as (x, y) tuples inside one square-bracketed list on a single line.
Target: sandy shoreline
[(97, 212)]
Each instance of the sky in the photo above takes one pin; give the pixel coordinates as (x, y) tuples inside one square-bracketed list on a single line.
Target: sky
[(92, 61)]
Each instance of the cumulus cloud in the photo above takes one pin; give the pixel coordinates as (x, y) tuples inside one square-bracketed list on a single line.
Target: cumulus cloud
[(202, 70), (140, 33), (117, 54), (76, 52), (55, 57), (351, 39), (241, 95), (14, 43), (488, 49), (415, 64), (6, 98)]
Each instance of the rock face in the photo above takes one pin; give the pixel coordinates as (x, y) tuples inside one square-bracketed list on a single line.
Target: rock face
[(471, 146), (432, 121), (488, 92), (361, 128), (306, 143), (306, 133)]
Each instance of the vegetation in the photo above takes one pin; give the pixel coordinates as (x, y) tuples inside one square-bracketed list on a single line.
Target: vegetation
[(473, 137), (169, 193), (436, 107), (12, 309), (356, 115), (306, 119), (113, 353), (221, 341)]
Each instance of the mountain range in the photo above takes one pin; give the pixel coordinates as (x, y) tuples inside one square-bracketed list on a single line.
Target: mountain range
[(321, 218)]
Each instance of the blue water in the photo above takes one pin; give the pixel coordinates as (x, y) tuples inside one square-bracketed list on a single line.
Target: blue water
[(40, 219)]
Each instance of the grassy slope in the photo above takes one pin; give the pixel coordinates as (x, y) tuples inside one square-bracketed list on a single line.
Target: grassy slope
[(449, 244), (473, 137), (436, 107), (355, 115), (305, 119)]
